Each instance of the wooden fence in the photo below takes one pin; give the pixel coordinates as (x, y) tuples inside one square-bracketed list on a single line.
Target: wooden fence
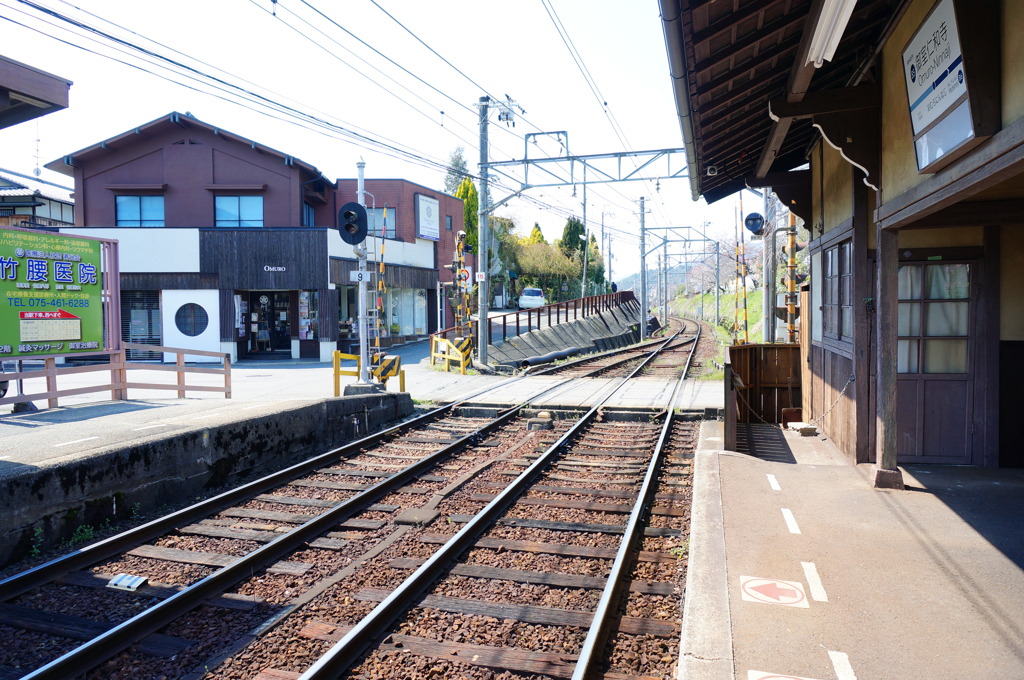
[(510, 325), (760, 381), (119, 383)]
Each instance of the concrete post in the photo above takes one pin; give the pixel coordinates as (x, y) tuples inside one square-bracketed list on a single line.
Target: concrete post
[(643, 274)]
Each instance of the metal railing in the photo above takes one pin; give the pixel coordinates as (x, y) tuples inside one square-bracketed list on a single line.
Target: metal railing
[(556, 313)]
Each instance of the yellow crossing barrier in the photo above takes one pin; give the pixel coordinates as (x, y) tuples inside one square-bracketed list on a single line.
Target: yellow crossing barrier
[(457, 352)]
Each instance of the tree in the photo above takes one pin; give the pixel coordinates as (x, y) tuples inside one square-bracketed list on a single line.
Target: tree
[(536, 236), (470, 206), (457, 171), (572, 234)]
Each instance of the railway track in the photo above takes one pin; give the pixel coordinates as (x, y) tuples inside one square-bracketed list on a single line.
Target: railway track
[(263, 560), (620, 362)]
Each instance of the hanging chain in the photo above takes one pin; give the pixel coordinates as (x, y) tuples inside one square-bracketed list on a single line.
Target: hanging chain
[(751, 410), (813, 422), (841, 393)]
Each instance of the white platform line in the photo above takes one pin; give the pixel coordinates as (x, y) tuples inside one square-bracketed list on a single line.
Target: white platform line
[(77, 441), (256, 406), (787, 514), (774, 482), (841, 663), (149, 427), (814, 581)]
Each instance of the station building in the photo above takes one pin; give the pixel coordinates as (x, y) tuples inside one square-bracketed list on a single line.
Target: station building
[(903, 153), (231, 246)]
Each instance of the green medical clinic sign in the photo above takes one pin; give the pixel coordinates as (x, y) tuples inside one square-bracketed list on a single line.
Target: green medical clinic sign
[(50, 295)]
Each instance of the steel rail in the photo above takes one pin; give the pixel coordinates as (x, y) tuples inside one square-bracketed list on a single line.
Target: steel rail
[(593, 645), (345, 652), (44, 573), (641, 348), (123, 635)]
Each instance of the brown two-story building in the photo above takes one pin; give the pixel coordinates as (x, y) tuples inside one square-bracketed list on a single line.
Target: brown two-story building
[(229, 245)]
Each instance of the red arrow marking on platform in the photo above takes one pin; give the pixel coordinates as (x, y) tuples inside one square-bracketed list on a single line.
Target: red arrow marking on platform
[(773, 591)]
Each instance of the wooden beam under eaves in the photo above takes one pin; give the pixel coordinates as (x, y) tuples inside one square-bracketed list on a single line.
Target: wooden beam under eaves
[(799, 80)]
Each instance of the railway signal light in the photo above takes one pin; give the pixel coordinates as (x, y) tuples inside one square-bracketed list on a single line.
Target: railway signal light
[(352, 223)]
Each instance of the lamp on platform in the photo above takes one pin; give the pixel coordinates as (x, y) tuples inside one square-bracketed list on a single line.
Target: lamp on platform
[(828, 30)]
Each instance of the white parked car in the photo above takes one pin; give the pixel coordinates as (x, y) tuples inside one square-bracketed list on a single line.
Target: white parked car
[(531, 298)]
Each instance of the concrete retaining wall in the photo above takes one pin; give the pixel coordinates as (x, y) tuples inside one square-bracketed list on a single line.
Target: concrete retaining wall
[(610, 329), (43, 507)]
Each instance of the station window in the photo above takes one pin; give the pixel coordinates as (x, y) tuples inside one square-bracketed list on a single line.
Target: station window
[(933, 322), (837, 292)]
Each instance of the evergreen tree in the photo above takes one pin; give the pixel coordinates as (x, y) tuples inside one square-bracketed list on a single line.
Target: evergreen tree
[(536, 236), (457, 171), (470, 206), (572, 241)]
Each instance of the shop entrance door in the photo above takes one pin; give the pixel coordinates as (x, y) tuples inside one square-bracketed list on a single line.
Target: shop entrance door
[(935, 362), (272, 321)]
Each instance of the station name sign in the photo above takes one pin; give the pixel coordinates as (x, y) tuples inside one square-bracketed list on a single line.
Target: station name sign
[(933, 67), (51, 290)]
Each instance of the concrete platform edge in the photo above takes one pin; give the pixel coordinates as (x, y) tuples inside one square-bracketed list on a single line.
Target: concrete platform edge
[(705, 648)]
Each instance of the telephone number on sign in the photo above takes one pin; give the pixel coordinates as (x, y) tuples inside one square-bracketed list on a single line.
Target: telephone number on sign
[(52, 302)]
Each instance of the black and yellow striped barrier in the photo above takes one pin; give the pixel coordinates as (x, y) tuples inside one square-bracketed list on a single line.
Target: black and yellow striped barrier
[(382, 367)]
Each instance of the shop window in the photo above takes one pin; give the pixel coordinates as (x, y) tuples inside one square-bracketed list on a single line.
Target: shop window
[(309, 327), (191, 319), (238, 211), (140, 322), (837, 292), (375, 222), (933, 322), (139, 211)]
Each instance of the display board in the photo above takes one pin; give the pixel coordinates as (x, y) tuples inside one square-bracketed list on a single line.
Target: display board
[(51, 289), (428, 218)]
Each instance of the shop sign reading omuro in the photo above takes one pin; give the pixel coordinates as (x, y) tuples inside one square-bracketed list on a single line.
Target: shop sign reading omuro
[(51, 290)]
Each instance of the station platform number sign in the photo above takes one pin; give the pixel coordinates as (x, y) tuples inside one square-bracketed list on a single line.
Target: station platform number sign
[(50, 294)]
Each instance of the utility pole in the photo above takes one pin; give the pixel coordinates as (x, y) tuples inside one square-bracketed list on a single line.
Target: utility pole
[(604, 247), (791, 283), (586, 237), (609, 260), (718, 283), (360, 250), (766, 309), (483, 323), (661, 300), (643, 274)]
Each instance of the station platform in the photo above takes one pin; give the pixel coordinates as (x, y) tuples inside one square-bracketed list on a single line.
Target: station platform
[(798, 568)]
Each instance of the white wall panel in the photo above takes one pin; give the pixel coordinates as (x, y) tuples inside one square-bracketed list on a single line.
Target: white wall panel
[(208, 340), (151, 250)]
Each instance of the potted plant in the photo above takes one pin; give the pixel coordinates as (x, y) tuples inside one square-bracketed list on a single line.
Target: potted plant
[(395, 329)]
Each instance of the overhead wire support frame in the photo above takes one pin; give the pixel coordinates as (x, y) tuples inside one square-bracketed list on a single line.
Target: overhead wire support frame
[(601, 174)]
